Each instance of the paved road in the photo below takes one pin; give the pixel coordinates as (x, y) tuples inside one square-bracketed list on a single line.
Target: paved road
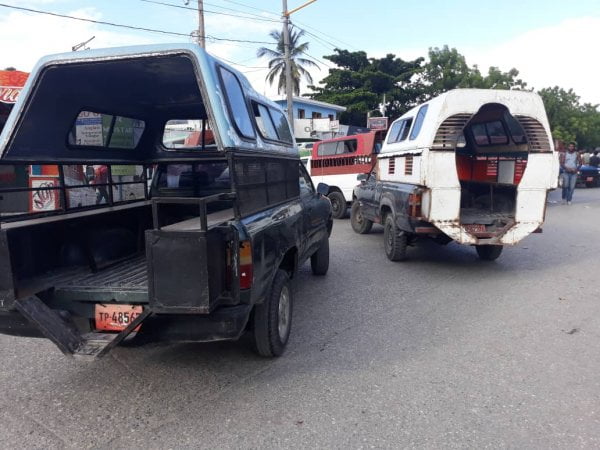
[(442, 350)]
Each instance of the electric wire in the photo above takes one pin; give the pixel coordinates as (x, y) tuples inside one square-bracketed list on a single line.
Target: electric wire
[(249, 16), (131, 27)]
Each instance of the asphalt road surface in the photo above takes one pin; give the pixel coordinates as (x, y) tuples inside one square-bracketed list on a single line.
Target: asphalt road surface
[(442, 350)]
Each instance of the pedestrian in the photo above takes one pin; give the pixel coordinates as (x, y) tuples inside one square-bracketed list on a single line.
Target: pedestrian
[(570, 162), (100, 181), (585, 157), (595, 159)]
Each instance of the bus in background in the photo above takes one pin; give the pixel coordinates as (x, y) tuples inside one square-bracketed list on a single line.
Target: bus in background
[(337, 161)]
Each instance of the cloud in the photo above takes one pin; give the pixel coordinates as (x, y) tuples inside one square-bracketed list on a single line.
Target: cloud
[(559, 55), (26, 37)]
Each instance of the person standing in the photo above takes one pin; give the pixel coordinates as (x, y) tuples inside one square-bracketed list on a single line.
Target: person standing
[(570, 162), (595, 159)]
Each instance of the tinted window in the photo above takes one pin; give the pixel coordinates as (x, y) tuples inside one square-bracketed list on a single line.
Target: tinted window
[(264, 122), (404, 133), (237, 103), (349, 146), (399, 131), (479, 133), (496, 133), (395, 131), (93, 129), (282, 125), (418, 122), (306, 186), (515, 129)]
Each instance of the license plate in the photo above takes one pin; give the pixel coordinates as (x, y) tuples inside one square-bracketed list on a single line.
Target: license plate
[(589, 179), (475, 228), (111, 317)]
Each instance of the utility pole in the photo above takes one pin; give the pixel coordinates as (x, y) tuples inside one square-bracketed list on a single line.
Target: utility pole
[(288, 58), (288, 65), (201, 36), (383, 108)]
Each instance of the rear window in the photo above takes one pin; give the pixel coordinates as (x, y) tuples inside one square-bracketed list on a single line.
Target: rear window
[(92, 129), (489, 133)]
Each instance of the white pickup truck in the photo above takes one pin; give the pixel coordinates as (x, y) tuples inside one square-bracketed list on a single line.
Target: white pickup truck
[(472, 166)]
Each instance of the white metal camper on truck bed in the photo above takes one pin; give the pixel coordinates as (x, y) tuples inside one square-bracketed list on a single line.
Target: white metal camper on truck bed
[(470, 165)]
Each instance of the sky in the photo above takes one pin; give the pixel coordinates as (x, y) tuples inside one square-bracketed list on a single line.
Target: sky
[(550, 42)]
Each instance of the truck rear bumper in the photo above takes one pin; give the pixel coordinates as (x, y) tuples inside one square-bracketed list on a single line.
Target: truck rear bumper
[(226, 323)]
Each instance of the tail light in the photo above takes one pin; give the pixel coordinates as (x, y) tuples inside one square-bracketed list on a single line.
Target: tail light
[(414, 205), (245, 265)]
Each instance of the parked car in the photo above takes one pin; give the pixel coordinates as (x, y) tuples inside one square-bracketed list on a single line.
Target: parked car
[(204, 251), (471, 166), (588, 176)]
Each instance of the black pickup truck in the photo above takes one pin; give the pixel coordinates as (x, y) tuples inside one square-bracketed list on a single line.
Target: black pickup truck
[(150, 194)]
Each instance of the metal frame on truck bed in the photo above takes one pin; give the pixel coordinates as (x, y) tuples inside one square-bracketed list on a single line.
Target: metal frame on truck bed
[(150, 191)]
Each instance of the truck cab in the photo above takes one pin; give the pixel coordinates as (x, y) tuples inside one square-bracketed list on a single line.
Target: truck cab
[(472, 166), (155, 195)]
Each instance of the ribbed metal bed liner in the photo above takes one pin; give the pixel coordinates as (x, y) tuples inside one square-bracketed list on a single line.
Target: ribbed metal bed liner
[(126, 281)]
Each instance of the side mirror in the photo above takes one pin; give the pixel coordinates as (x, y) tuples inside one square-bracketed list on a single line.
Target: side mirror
[(322, 188), (362, 177)]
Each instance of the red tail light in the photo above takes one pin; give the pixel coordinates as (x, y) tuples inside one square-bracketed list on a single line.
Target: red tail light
[(414, 205), (245, 265)]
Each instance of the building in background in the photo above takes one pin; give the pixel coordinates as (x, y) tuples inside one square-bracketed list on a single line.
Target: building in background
[(314, 120)]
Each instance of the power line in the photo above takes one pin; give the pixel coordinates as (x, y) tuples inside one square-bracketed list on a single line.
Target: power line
[(131, 27), (252, 7), (249, 16), (243, 65)]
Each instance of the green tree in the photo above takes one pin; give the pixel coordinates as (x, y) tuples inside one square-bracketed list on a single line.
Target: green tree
[(448, 69), (569, 119), (359, 82), (277, 60)]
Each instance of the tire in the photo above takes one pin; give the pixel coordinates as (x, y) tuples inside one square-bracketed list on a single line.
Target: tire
[(359, 224), (319, 261), (394, 240), (273, 317), (338, 204), (488, 252)]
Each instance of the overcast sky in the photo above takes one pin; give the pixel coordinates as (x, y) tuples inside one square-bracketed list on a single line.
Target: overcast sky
[(550, 42)]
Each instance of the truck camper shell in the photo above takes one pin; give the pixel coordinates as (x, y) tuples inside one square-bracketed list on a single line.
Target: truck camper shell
[(153, 84), (474, 165)]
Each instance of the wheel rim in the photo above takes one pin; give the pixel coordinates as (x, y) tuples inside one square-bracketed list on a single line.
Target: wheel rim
[(358, 218), (283, 323), (388, 238), (335, 206)]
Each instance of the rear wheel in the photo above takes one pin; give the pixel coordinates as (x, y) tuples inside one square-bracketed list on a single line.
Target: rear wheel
[(359, 224), (394, 240), (488, 252), (319, 261), (338, 204), (273, 317)]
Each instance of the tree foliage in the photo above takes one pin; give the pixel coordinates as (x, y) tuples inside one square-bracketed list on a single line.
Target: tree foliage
[(569, 119), (359, 83)]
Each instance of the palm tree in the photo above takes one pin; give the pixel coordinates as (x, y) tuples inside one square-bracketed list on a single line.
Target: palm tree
[(277, 60)]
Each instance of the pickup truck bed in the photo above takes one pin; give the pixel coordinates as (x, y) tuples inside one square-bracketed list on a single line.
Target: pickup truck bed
[(122, 281)]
